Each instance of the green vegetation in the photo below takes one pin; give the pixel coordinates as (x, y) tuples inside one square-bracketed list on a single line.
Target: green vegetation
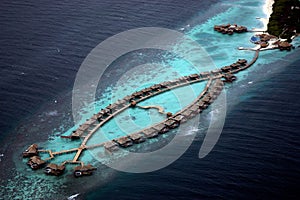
[(285, 18)]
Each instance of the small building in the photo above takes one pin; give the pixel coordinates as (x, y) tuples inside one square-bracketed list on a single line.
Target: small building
[(127, 98), (137, 138), (156, 87), (187, 115), (124, 141), (182, 80), (137, 95), (202, 105), (216, 71), (206, 99), (111, 146), (242, 62), (77, 134), (54, 169), (264, 44), (32, 150), (229, 78), (226, 69), (171, 123), (113, 107), (85, 170), (150, 133), (204, 74), (177, 118), (195, 109), (284, 46), (36, 162), (161, 128), (235, 65), (194, 77), (146, 92), (84, 127)]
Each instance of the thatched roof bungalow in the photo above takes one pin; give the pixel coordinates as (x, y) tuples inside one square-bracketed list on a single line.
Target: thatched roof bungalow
[(54, 169), (36, 162), (32, 150), (124, 141), (137, 138), (85, 170), (150, 133), (171, 123), (111, 146)]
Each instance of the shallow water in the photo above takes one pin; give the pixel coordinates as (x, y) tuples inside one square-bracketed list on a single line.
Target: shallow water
[(256, 154)]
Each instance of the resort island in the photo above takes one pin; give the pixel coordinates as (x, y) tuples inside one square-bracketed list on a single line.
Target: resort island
[(283, 27)]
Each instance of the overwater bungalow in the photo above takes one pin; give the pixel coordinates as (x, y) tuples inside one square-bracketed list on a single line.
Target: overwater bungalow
[(127, 98), (194, 77), (146, 92), (137, 138), (178, 118), (216, 72), (156, 87), (235, 65), (150, 133), (113, 107), (77, 134), (171, 123), (195, 109), (137, 95), (124, 141), (229, 78), (32, 150), (204, 74), (202, 105), (161, 128), (85, 170), (111, 146), (226, 69), (187, 115), (54, 169), (182, 80), (206, 99), (36, 162), (230, 29), (83, 127), (242, 62)]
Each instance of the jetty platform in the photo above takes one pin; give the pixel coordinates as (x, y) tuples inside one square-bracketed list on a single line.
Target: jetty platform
[(216, 79)]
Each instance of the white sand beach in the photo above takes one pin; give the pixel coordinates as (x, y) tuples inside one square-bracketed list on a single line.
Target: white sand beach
[(267, 9)]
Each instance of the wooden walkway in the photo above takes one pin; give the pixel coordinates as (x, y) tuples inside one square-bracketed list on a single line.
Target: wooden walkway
[(212, 89), (159, 108)]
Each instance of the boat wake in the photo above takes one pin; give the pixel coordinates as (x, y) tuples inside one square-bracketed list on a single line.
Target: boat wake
[(72, 197), (192, 131)]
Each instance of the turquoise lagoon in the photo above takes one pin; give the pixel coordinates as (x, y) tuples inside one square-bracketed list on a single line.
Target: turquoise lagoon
[(223, 51)]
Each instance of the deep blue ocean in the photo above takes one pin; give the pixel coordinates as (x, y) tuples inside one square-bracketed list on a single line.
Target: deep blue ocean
[(42, 45)]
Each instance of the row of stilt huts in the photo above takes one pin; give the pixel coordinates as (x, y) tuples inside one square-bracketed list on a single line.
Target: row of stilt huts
[(216, 79)]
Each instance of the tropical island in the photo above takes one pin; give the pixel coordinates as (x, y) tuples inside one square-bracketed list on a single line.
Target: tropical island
[(284, 22)]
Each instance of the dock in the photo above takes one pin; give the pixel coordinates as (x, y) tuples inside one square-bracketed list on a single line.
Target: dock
[(216, 80)]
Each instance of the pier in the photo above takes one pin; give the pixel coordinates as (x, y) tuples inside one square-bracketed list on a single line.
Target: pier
[(215, 83), (216, 80)]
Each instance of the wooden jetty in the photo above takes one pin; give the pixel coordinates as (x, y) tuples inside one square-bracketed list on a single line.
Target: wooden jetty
[(215, 84)]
